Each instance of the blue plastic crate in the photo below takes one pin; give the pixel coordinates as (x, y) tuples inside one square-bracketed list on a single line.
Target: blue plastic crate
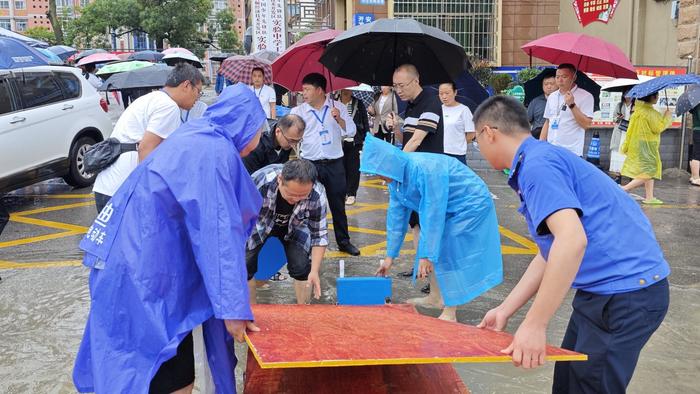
[(363, 290)]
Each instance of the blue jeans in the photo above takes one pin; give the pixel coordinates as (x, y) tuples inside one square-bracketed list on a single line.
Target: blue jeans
[(611, 329)]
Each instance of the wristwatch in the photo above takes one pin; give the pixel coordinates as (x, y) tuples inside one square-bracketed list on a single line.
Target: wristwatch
[(572, 105)]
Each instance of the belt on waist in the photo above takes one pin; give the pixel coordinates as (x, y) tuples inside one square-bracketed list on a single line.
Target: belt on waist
[(325, 161)]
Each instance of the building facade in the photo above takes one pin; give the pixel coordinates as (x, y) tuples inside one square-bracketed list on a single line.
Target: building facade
[(19, 15)]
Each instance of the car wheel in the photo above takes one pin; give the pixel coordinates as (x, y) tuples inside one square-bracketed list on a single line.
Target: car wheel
[(77, 176)]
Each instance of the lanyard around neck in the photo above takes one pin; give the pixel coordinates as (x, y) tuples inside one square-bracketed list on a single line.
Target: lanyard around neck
[(323, 117), (187, 115)]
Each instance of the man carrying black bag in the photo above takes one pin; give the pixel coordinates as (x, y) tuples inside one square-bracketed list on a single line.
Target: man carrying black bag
[(145, 124)]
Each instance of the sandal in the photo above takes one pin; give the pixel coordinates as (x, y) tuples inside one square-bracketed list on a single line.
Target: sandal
[(653, 201), (695, 182), (278, 277)]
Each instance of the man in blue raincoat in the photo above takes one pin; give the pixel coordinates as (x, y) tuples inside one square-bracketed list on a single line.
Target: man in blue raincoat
[(167, 254), (459, 236)]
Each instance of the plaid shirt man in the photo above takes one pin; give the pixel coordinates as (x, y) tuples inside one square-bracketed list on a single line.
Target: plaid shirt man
[(307, 226)]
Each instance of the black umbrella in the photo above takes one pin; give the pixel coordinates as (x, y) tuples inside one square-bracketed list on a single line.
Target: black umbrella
[(149, 77), (533, 87), (371, 52), (469, 91), (147, 56), (220, 57)]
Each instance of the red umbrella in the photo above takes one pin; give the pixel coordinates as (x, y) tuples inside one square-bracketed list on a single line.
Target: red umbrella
[(301, 59), (586, 53), (239, 68), (98, 58)]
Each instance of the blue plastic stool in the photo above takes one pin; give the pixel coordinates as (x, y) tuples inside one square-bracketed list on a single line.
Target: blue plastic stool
[(363, 290), (271, 259)]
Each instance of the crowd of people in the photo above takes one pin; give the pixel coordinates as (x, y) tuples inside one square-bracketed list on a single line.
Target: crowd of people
[(207, 192)]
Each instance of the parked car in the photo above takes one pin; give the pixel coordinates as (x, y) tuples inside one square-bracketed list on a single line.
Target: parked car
[(49, 117)]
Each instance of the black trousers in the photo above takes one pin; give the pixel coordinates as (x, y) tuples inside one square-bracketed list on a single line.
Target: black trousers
[(331, 174), (298, 260), (176, 373), (351, 161)]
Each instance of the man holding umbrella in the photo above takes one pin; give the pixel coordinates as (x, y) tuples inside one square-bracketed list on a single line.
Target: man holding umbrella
[(327, 124), (569, 112)]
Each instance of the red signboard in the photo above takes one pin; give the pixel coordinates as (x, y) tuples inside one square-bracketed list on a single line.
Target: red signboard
[(589, 11)]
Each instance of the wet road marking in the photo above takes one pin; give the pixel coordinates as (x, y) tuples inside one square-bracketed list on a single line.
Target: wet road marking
[(10, 265), (54, 196), (31, 240)]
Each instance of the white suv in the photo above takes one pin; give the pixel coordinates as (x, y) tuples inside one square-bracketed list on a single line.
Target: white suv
[(49, 117)]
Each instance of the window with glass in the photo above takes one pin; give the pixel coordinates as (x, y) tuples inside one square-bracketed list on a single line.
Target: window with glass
[(70, 83), (4, 4), (21, 24), (5, 23), (38, 88), (5, 96), (84, 3), (20, 4), (473, 23)]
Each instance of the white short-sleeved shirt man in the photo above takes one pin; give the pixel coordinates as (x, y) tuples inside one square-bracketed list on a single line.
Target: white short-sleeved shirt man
[(266, 95), (457, 121), (563, 130), (155, 112), (323, 136)]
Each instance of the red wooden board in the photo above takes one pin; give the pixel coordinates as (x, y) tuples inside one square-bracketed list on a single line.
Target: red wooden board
[(369, 379), (294, 336)]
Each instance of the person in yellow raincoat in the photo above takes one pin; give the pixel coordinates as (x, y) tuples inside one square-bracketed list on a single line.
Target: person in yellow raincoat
[(643, 162)]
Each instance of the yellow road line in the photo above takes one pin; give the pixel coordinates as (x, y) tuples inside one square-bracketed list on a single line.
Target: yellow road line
[(53, 208), (54, 196), (40, 238), (527, 243), (48, 223), (10, 265)]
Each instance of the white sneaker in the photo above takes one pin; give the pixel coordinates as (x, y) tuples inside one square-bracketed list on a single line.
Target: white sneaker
[(350, 200)]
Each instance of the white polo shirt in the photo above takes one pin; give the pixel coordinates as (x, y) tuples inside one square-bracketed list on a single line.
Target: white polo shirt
[(563, 130), (323, 136), (155, 112), (266, 95)]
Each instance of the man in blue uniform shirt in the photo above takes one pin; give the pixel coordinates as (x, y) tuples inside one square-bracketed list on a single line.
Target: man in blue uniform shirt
[(592, 237)]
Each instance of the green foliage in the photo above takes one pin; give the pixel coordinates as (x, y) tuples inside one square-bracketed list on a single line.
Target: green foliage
[(527, 74), (41, 33), (481, 70), (223, 32), (500, 82), (177, 21)]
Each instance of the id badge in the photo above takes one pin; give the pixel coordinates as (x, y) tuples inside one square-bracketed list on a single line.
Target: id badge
[(555, 123), (325, 137)]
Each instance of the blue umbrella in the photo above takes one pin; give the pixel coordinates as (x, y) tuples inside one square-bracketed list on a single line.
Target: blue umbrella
[(688, 100), (15, 54), (24, 39), (650, 87), (148, 56), (63, 51), (53, 58)]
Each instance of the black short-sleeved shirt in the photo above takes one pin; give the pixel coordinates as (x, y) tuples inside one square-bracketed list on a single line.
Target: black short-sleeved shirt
[(425, 113), (283, 211)]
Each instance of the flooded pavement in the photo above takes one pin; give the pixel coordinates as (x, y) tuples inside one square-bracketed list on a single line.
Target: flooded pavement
[(44, 296)]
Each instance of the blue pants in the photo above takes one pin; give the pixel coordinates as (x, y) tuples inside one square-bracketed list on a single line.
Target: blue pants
[(611, 330)]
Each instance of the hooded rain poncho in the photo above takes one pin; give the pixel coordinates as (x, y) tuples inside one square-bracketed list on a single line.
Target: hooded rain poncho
[(642, 142), (458, 226), (167, 253)]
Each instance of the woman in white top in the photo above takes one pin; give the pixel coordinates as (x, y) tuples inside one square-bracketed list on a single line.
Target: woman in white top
[(622, 114), (266, 94), (457, 121)]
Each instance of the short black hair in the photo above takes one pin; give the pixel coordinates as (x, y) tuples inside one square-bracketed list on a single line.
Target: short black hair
[(257, 69), (452, 84), (567, 66), (290, 120), (504, 113), (184, 72), (300, 170), (316, 80), (649, 98)]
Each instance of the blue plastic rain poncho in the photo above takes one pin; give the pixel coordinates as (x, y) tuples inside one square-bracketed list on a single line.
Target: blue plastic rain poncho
[(168, 253), (458, 225)]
